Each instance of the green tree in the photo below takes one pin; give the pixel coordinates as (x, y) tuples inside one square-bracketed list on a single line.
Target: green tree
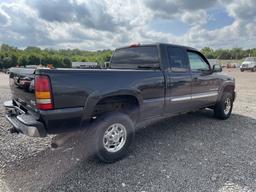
[(22, 61), (8, 48), (237, 53), (11, 56), (33, 49), (66, 62), (208, 52), (33, 59), (253, 52), (7, 62), (1, 61)]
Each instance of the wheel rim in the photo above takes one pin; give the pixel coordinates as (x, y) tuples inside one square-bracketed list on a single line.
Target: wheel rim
[(227, 106), (114, 137)]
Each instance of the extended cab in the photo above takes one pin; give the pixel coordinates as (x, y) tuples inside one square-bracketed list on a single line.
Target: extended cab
[(144, 82)]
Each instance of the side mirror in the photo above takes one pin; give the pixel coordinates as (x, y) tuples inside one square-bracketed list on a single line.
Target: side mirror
[(216, 68)]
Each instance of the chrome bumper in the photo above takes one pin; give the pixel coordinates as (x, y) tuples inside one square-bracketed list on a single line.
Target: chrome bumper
[(23, 122)]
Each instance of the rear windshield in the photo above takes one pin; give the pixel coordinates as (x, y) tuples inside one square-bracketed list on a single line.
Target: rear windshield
[(142, 57)]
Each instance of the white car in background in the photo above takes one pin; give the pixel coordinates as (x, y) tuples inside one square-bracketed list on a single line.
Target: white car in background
[(249, 64)]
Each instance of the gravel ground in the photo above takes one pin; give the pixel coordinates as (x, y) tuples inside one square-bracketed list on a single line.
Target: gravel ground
[(192, 152)]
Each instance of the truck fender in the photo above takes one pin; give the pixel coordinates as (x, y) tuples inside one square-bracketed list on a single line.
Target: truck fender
[(96, 96), (226, 86)]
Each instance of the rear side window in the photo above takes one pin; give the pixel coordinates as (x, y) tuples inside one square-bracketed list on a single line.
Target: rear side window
[(142, 57), (177, 60)]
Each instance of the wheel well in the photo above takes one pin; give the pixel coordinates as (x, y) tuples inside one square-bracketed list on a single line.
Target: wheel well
[(124, 103), (230, 89)]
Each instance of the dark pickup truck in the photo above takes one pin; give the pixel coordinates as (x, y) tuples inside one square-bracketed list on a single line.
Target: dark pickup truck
[(143, 83)]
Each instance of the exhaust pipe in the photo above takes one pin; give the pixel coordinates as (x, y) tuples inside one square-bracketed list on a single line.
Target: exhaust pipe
[(61, 139), (13, 130)]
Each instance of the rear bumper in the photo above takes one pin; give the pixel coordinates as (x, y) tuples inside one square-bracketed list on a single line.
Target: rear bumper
[(23, 122)]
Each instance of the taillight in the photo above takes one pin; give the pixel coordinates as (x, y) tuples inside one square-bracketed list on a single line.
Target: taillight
[(43, 92)]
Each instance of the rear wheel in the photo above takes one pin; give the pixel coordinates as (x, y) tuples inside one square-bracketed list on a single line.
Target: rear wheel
[(253, 69), (224, 107), (112, 135), (242, 70)]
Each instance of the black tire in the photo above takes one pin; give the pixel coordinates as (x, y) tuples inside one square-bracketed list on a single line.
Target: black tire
[(253, 69), (242, 70), (220, 110), (99, 128)]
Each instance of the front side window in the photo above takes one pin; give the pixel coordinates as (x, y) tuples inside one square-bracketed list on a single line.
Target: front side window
[(177, 61), (197, 63), (141, 57)]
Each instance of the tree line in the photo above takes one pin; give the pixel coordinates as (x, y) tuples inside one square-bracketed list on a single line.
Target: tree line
[(228, 54), (12, 56)]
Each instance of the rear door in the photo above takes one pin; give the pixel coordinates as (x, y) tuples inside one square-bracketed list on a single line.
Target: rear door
[(205, 85), (178, 93)]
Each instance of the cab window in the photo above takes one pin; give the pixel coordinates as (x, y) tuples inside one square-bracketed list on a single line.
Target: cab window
[(140, 57), (177, 61), (197, 62)]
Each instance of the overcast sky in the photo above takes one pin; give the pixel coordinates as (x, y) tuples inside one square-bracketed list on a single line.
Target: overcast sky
[(103, 24)]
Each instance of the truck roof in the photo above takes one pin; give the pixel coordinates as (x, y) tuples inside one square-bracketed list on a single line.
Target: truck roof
[(158, 44)]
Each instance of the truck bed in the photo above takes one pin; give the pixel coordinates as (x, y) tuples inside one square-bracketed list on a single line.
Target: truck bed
[(76, 92)]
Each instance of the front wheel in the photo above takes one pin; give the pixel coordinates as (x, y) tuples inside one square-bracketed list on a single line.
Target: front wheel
[(253, 69), (112, 135), (223, 108), (242, 70)]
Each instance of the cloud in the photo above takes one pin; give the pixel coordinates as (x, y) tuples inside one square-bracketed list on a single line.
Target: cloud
[(191, 12), (102, 24), (60, 10), (241, 9), (3, 19), (195, 18), (91, 14), (23, 26), (170, 7)]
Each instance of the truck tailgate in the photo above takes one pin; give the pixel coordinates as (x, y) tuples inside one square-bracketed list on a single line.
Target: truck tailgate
[(22, 87)]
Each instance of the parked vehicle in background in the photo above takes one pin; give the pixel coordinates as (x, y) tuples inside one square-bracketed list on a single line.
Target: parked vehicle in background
[(144, 83), (249, 64), (85, 65)]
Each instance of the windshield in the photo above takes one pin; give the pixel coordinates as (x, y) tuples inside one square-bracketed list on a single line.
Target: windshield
[(249, 59)]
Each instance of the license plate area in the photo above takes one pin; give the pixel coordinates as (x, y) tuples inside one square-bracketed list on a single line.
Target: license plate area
[(11, 109)]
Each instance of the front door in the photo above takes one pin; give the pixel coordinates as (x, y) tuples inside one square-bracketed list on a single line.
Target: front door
[(204, 83), (178, 92)]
